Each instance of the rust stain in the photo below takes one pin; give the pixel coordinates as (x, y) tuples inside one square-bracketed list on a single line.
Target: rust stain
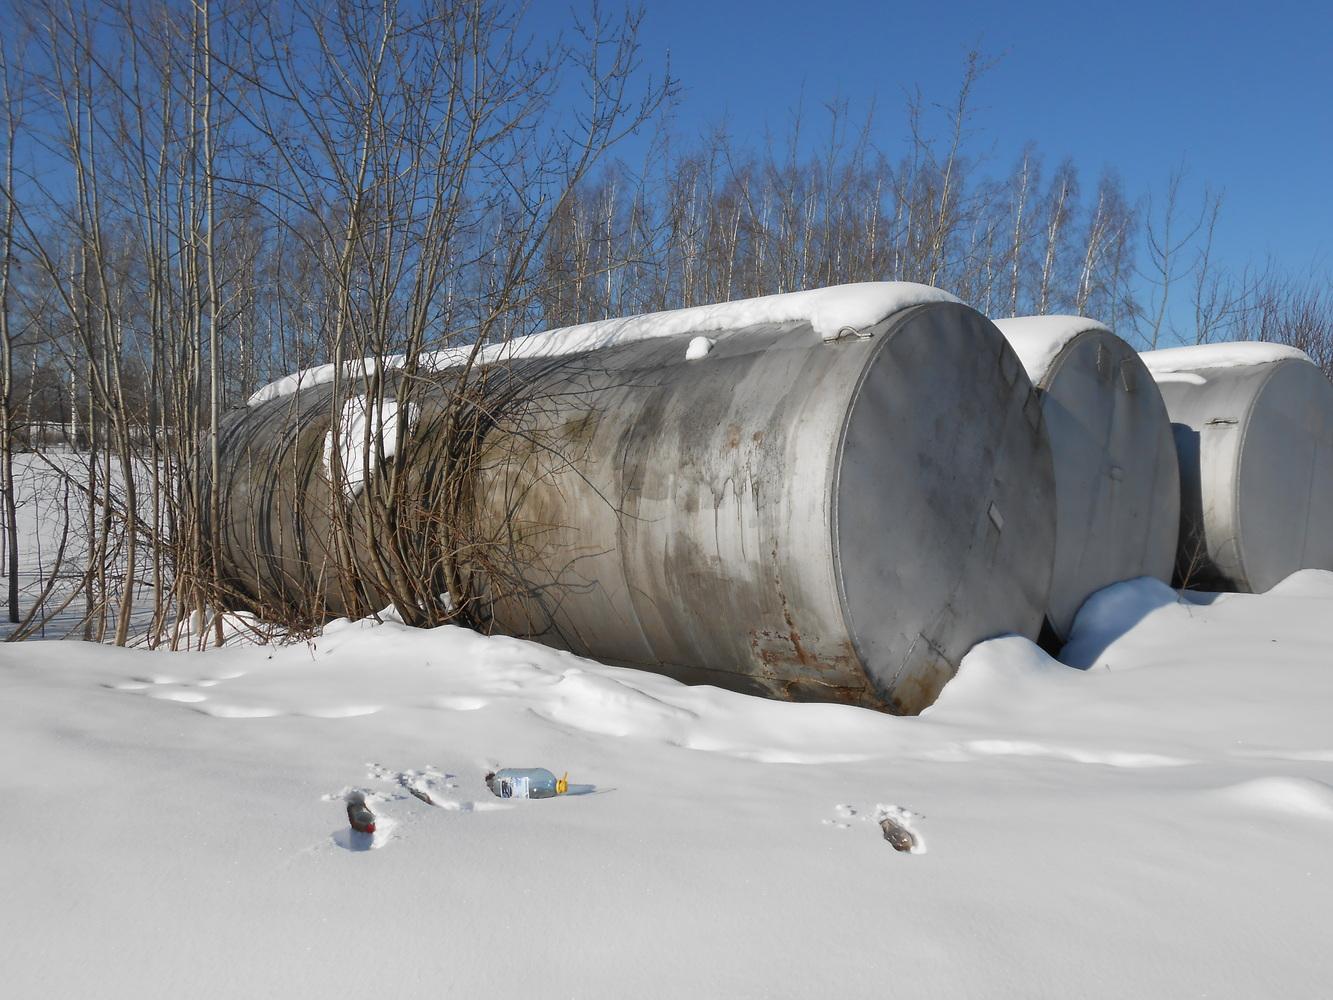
[(916, 692), (783, 652), (757, 437), (733, 440), (793, 634), (796, 667)]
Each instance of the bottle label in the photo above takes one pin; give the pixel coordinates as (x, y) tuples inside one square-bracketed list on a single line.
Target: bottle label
[(512, 788)]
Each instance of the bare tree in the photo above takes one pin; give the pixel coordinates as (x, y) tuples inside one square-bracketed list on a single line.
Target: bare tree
[(9, 125), (1297, 312), (1168, 238)]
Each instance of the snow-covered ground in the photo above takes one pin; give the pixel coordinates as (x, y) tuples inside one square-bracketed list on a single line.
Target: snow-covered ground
[(1157, 824), (54, 542)]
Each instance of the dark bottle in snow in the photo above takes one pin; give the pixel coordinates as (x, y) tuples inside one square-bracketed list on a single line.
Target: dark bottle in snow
[(526, 783), (902, 838), (359, 814)]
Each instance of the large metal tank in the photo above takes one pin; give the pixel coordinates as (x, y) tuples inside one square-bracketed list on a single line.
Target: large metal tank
[(834, 521), (1254, 431), (1117, 487)]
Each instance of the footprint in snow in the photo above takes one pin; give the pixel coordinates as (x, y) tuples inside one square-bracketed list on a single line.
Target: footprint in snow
[(428, 785), (140, 683), (220, 710), (899, 825), (339, 711), (187, 697), (843, 812), (459, 703), (1078, 755)]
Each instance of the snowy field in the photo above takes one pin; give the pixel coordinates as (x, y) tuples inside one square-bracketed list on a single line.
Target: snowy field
[(53, 541), (1157, 824)]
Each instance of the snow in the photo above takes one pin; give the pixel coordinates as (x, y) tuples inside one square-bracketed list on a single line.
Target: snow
[(1153, 824), (1188, 378), (833, 312), (354, 435), (51, 510), (357, 371), (1238, 354), (698, 348), (1038, 340)]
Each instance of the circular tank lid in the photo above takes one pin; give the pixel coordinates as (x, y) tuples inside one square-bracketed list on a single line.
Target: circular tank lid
[(944, 464), (1284, 480), (1116, 475)]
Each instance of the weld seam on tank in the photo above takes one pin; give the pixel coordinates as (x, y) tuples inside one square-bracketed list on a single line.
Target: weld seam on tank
[(880, 334)]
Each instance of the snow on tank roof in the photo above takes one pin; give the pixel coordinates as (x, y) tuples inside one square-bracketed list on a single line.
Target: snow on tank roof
[(1238, 354), (1038, 340), (830, 311)]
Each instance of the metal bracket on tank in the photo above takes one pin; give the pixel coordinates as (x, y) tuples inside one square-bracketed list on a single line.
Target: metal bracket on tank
[(851, 331), (1128, 375), (864, 333), (1103, 361)]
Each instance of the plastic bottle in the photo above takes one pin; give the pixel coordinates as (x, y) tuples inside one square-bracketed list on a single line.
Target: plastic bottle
[(526, 783)]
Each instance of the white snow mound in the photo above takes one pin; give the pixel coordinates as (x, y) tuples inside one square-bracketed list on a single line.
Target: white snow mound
[(1238, 354), (1110, 613), (1283, 795), (1038, 340)]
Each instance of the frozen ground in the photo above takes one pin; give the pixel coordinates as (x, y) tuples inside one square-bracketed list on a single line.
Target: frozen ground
[(1155, 825)]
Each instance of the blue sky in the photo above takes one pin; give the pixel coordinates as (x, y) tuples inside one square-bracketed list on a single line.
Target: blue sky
[(1241, 94)]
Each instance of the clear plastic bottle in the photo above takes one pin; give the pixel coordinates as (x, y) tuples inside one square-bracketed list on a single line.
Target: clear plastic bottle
[(526, 783)]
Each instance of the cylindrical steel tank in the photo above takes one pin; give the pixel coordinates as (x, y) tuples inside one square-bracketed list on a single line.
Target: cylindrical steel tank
[(1254, 431), (1117, 487), (816, 520)]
